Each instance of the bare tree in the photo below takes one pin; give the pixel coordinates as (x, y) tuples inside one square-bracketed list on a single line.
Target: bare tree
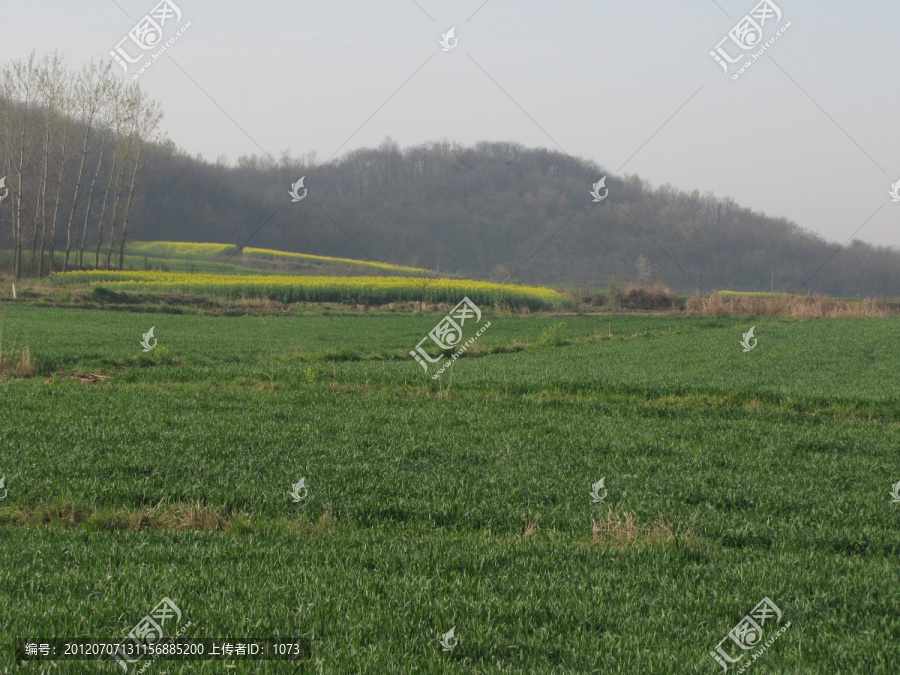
[(116, 107), (48, 72), (106, 117), (59, 92), (19, 85), (91, 89), (147, 114), (126, 144), (5, 115)]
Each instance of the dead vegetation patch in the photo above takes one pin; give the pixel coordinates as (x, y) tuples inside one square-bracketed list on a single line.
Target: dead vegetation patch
[(655, 297), (622, 532), (167, 517), (19, 365), (794, 306), (86, 378)]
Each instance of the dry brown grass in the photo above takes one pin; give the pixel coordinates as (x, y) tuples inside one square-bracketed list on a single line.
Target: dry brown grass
[(657, 297), (10, 362), (325, 523), (622, 532), (191, 517), (66, 515), (19, 367), (87, 378), (24, 368), (171, 517), (795, 306), (503, 310)]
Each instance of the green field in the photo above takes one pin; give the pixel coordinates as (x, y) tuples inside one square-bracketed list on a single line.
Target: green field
[(459, 502)]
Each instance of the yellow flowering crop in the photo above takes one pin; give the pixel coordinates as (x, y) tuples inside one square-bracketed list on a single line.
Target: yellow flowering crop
[(298, 288), (178, 249), (270, 254)]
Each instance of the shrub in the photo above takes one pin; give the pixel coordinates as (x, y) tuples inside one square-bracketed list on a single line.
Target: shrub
[(648, 298)]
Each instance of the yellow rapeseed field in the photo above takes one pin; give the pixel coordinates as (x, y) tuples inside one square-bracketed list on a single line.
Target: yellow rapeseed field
[(271, 254), (178, 249), (297, 288), (196, 251)]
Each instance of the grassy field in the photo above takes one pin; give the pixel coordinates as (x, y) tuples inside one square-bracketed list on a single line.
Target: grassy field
[(461, 502)]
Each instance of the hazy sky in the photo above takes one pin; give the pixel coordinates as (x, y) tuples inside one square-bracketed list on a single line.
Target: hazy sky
[(810, 132)]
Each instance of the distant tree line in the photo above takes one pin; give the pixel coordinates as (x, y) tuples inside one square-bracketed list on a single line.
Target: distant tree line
[(72, 147), (497, 209)]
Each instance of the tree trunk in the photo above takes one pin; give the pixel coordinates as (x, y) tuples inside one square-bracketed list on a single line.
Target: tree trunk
[(112, 173), (90, 95), (84, 153), (40, 206), (90, 200), (137, 161), (59, 183), (17, 202)]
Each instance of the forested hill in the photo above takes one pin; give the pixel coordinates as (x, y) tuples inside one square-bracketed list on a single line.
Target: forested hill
[(494, 209)]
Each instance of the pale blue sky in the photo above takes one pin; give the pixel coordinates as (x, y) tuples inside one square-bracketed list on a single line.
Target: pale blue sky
[(599, 78)]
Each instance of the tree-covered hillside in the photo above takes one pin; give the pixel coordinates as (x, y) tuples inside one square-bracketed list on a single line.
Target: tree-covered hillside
[(497, 209)]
